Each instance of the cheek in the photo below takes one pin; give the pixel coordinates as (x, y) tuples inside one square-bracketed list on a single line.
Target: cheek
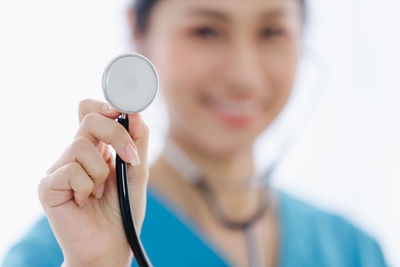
[(281, 71)]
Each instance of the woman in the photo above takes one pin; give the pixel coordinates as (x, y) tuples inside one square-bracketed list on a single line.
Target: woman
[(226, 68)]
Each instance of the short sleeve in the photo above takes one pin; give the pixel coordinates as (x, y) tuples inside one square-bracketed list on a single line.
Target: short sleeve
[(38, 247)]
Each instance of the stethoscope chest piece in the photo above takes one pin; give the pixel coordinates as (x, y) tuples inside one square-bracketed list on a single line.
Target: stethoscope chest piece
[(130, 83)]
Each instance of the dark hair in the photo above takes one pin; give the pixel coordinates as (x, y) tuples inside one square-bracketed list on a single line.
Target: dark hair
[(143, 9)]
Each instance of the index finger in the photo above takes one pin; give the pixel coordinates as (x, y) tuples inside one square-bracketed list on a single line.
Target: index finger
[(87, 106)]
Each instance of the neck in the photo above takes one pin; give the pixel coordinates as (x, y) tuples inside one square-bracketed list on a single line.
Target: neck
[(226, 175)]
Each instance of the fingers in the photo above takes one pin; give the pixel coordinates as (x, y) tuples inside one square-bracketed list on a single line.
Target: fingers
[(98, 128), (89, 107), (85, 166), (85, 153), (55, 189)]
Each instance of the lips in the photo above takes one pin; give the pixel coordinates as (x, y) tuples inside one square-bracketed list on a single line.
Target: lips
[(235, 111)]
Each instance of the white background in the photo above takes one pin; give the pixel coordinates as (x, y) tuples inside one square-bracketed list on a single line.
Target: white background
[(345, 159)]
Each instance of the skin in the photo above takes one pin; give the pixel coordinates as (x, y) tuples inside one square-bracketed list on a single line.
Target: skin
[(206, 52)]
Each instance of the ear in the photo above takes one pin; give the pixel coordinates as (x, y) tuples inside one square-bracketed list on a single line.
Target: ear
[(137, 37)]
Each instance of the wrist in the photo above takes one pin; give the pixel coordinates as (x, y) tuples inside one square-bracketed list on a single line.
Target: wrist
[(116, 260)]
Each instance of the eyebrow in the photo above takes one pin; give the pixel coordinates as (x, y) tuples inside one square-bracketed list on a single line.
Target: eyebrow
[(203, 12), (270, 14)]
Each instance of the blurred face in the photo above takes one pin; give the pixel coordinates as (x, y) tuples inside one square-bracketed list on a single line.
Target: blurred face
[(226, 67)]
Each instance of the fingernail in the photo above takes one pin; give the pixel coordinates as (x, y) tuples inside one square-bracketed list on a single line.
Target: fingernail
[(132, 155), (100, 191)]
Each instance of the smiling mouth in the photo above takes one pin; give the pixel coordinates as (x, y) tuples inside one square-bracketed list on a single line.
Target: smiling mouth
[(236, 112)]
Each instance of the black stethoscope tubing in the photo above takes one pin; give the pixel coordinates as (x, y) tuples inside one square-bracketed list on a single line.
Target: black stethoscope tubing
[(125, 207)]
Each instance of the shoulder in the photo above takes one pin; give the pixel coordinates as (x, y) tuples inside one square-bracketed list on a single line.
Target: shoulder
[(326, 237), (38, 247)]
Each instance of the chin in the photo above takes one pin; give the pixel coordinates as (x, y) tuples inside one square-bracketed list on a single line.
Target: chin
[(224, 150)]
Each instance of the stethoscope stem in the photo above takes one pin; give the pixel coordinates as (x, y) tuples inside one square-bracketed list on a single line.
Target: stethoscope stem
[(125, 207)]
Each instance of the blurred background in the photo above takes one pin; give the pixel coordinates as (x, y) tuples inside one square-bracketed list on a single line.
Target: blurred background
[(346, 153)]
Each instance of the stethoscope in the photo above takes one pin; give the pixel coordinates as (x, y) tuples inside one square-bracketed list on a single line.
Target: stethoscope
[(130, 84)]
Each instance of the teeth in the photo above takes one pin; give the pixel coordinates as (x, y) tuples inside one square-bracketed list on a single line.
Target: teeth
[(243, 108)]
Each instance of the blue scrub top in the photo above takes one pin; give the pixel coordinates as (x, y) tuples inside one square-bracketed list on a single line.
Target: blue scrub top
[(308, 237)]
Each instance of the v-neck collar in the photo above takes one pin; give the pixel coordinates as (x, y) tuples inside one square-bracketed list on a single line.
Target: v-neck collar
[(184, 221)]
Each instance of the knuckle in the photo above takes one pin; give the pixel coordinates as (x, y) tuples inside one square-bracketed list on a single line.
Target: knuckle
[(102, 172), (72, 169), (87, 188), (83, 103), (41, 188), (89, 118), (79, 179), (105, 171), (80, 143)]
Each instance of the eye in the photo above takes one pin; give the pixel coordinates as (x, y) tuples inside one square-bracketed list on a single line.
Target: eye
[(272, 32), (206, 32)]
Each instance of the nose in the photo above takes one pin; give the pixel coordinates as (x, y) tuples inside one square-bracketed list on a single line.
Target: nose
[(243, 67)]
